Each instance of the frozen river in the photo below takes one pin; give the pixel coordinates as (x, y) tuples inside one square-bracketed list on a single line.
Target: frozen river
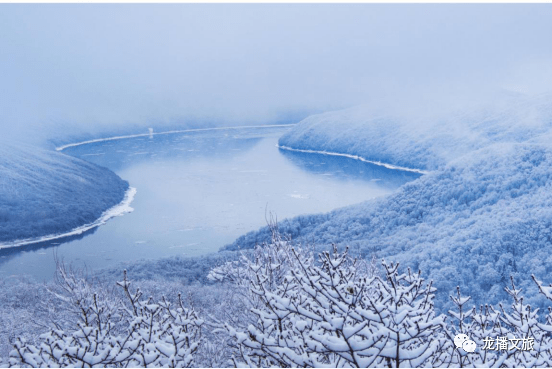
[(198, 191)]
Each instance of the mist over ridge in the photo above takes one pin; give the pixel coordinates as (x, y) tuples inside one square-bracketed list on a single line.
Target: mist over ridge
[(89, 68)]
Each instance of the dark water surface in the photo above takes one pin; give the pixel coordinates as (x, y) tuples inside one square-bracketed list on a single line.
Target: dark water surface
[(199, 191)]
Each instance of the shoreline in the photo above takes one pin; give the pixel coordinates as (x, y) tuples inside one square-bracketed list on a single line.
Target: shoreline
[(117, 210), (114, 138), (356, 157), (124, 206)]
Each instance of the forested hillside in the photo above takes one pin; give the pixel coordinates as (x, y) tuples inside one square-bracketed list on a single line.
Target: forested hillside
[(481, 214), (46, 193)]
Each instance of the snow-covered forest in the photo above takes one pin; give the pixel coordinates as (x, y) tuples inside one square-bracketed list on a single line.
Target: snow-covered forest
[(465, 247), (280, 305), (481, 214), (436, 123)]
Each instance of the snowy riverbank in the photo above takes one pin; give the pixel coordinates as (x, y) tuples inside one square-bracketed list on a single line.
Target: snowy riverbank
[(118, 210), (152, 133), (355, 157), (46, 195), (483, 213)]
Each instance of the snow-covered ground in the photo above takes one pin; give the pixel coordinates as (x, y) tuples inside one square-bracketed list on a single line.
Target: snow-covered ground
[(481, 214), (46, 195)]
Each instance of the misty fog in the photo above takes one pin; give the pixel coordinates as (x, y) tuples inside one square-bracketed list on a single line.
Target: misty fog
[(73, 68)]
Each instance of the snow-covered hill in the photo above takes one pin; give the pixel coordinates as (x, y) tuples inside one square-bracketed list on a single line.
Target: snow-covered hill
[(424, 140), (46, 193), (483, 213)]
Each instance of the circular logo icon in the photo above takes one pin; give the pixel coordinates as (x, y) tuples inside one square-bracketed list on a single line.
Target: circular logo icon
[(469, 346), (459, 339)]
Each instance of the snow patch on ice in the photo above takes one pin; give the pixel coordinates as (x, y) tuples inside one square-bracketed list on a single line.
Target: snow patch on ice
[(299, 196)]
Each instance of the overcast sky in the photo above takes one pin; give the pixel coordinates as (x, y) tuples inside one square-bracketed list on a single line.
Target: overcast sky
[(96, 64)]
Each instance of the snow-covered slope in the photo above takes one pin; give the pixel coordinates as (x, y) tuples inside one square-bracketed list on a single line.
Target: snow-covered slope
[(421, 140), (483, 213), (47, 193)]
